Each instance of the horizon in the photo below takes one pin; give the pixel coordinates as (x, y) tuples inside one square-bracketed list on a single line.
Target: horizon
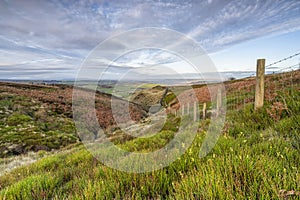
[(226, 75)]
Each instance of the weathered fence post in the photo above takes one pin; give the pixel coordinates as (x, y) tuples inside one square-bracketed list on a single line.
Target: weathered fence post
[(195, 111), (182, 109), (219, 101), (260, 84), (188, 108), (204, 110)]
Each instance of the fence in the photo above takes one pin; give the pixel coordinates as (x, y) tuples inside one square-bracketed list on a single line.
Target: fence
[(269, 84)]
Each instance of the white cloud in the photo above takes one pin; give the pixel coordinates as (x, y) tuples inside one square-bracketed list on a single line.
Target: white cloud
[(34, 31)]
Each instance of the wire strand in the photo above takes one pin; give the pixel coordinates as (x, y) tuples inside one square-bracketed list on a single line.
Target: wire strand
[(284, 59)]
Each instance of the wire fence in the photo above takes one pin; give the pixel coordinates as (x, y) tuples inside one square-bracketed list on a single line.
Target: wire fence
[(282, 78)]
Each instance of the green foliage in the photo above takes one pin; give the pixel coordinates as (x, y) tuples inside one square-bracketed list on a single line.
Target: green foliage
[(172, 123), (246, 167), (26, 126), (282, 115), (149, 144), (44, 185), (247, 120), (18, 119), (169, 98)]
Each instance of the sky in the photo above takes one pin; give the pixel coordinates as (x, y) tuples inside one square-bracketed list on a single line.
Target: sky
[(52, 39)]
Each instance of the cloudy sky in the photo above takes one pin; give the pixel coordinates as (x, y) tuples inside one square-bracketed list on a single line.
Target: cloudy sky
[(51, 39)]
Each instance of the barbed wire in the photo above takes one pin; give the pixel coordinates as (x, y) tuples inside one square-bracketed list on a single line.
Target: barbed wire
[(289, 67), (281, 69), (284, 59), (279, 61)]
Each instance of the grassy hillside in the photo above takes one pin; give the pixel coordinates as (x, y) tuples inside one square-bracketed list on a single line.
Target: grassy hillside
[(256, 157), (31, 125), (39, 117)]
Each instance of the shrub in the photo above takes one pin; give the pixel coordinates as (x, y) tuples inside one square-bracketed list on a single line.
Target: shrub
[(16, 119)]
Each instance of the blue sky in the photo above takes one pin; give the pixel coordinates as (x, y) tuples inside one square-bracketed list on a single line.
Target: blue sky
[(50, 39)]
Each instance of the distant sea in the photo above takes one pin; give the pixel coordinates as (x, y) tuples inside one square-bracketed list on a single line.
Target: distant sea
[(166, 80)]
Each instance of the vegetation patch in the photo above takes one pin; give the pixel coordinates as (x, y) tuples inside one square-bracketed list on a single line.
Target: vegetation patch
[(29, 125)]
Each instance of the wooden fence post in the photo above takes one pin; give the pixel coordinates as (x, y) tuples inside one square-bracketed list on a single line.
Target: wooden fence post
[(188, 108), (219, 101), (204, 110), (182, 109), (195, 111), (260, 84)]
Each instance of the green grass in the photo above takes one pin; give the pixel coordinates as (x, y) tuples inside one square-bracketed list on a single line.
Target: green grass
[(257, 155), (235, 169), (280, 116), (254, 165)]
